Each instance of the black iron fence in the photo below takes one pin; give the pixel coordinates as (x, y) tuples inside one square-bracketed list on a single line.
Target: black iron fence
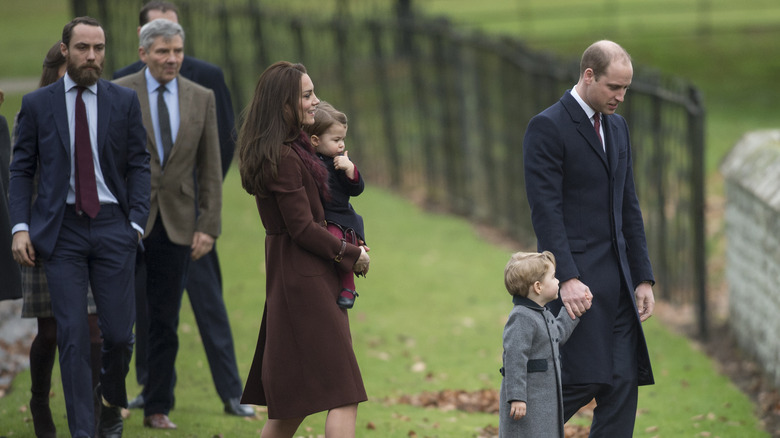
[(439, 114)]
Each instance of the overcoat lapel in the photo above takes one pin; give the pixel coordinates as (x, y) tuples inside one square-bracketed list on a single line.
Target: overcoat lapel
[(104, 115), (584, 126), (139, 85), (185, 110), (609, 137), (61, 114)]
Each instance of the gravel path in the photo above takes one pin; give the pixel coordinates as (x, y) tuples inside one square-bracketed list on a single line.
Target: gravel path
[(16, 334), (18, 85)]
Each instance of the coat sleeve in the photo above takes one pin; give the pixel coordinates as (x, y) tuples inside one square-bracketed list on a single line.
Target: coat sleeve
[(518, 338), (565, 326), (352, 188), (295, 208), (543, 156), (225, 118), (24, 164), (209, 174), (634, 227), (138, 174)]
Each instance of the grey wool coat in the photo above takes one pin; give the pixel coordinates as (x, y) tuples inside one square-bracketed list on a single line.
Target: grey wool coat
[(532, 369)]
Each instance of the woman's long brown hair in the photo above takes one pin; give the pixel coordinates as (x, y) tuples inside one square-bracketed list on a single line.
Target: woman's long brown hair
[(271, 121)]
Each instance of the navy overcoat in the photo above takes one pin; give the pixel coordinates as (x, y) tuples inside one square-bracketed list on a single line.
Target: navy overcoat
[(585, 211)]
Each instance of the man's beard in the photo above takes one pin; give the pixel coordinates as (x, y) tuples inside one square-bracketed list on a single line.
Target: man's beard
[(84, 76)]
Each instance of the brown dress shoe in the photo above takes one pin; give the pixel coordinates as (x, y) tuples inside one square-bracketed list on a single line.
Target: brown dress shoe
[(159, 421)]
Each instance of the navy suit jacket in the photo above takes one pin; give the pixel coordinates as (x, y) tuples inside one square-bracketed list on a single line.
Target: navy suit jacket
[(585, 211), (12, 282), (211, 77), (44, 140)]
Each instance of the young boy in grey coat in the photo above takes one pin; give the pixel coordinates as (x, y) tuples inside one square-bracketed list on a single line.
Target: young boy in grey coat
[(531, 401)]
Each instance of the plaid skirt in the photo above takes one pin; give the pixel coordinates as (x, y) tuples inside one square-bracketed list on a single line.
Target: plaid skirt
[(36, 301)]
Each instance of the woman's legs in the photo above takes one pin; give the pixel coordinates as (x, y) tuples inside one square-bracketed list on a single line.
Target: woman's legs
[(341, 422), (42, 352), (284, 428)]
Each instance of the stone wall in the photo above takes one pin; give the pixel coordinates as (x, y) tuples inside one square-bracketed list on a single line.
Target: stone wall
[(752, 218)]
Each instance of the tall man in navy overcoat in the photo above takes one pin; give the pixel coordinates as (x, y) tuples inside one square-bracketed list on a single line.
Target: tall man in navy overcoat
[(86, 228), (584, 208)]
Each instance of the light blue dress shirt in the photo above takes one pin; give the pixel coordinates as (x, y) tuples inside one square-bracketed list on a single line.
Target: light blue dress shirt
[(171, 97)]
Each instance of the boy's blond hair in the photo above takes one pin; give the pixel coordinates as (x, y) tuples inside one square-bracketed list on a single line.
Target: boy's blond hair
[(526, 268)]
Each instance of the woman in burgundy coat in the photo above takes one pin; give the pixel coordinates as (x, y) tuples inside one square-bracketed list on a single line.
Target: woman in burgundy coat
[(304, 362)]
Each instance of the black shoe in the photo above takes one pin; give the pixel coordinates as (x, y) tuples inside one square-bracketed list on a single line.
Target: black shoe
[(234, 407), (136, 403), (111, 424), (347, 298)]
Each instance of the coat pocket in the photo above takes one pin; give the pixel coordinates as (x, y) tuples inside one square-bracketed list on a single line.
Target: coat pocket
[(578, 245), (537, 365)]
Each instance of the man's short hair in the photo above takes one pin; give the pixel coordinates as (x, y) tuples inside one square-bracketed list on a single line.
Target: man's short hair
[(143, 17), (67, 31), (154, 29), (599, 55)]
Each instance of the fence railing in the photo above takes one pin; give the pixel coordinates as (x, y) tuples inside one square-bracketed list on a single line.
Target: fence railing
[(439, 114)]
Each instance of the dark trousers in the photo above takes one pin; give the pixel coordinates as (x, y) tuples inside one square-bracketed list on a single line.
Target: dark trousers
[(616, 404), (204, 288), (166, 264), (100, 252)]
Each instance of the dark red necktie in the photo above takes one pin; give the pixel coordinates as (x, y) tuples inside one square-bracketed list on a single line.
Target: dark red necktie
[(86, 186), (597, 126)]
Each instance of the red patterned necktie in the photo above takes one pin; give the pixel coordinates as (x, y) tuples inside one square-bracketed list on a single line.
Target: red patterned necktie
[(597, 126), (86, 186)]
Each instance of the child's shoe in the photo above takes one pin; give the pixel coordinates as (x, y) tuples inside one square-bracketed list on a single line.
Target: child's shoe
[(347, 298)]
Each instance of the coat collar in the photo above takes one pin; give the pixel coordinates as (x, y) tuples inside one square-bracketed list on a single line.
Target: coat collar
[(527, 302), (584, 126), (59, 107)]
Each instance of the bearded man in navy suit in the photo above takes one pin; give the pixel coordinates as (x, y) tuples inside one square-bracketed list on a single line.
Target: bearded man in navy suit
[(86, 225), (580, 186)]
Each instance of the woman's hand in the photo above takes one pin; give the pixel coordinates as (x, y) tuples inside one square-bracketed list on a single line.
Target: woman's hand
[(361, 265)]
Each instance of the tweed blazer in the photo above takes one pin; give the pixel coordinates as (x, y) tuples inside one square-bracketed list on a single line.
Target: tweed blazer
[(196, 148)]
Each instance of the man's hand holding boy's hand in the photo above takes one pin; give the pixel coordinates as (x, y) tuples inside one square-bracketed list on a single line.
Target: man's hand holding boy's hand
[(576, 297)]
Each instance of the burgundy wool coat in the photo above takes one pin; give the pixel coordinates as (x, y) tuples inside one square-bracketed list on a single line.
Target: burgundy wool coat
[(304, 362)]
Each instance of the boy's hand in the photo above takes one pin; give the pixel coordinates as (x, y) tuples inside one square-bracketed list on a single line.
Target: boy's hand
[(517, 410)]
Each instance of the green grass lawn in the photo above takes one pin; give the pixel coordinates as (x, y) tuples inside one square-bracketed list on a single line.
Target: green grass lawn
[(429, 317)]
